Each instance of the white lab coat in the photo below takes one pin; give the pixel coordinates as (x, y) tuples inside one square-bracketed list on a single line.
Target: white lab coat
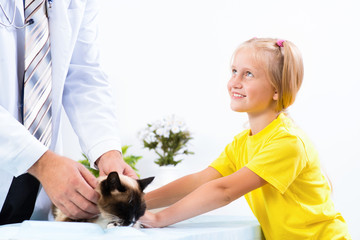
[(78, 86)]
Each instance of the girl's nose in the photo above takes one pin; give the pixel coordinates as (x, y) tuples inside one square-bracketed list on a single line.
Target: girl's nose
[(235, 82)]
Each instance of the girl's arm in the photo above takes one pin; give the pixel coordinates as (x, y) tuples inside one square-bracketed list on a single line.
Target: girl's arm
[(212, 195), (174, 191)]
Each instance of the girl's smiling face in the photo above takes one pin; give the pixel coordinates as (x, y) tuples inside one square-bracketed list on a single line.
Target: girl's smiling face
[(249, 87)]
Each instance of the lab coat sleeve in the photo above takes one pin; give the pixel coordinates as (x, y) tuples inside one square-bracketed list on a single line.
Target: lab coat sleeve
[(88, 99), (19, 150)]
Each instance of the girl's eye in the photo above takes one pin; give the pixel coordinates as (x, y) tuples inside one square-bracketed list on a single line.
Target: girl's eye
[(248, 74), (234, 71)]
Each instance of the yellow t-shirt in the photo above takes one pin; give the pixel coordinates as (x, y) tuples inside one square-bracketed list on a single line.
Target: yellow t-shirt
[(296, 203)]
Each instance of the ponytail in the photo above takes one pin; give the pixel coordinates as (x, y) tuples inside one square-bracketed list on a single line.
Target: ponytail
[(292, 75)]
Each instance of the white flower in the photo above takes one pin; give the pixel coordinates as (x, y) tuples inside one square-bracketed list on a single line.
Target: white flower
[(155, 125), (166, 122), (166, 132), (151, 137), (160, 131), (175, 129)]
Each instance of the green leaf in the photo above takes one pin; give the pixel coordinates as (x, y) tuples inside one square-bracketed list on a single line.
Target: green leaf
[(124, 149)]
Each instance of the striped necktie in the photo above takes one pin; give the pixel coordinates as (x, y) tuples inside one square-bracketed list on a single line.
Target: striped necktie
[(21, 197), (37, 77)]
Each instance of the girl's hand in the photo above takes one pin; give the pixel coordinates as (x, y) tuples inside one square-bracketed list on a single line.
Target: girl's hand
[(150, 220)]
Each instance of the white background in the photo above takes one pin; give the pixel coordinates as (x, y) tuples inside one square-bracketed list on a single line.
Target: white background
[(166, 56)]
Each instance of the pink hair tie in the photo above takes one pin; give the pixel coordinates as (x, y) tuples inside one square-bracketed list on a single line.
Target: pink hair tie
[(280, 42)]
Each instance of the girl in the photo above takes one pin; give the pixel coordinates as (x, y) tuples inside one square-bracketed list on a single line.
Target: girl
[(273, 163)]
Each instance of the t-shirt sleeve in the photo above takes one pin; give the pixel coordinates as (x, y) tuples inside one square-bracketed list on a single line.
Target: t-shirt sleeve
[(224, 164), (279, 162)]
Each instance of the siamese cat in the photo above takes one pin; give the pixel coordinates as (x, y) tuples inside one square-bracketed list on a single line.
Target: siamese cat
[(121, 201)]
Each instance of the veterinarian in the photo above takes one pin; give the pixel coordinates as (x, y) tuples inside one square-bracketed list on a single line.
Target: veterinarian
[(49, 62)]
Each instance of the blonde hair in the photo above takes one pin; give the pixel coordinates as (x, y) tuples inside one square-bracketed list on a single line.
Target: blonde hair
[(283, 64)]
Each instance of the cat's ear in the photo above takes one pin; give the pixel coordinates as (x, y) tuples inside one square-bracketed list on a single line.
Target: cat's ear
[(143, 183), (114, 182)]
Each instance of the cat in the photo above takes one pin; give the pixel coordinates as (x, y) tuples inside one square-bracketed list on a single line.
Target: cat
[(121, 201)]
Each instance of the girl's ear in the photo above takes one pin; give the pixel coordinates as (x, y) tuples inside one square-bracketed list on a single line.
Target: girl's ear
[(276, 96)]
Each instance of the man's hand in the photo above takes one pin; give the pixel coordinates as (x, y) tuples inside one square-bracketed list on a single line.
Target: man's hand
[(113, 161), (69, 185)]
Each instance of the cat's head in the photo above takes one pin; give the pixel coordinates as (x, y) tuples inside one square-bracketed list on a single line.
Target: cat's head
[(122, 198)]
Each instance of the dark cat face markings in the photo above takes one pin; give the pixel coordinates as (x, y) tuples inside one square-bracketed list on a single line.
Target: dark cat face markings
[(122, 198)]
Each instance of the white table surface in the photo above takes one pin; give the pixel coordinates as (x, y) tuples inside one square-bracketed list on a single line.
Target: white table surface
[(202, 227)]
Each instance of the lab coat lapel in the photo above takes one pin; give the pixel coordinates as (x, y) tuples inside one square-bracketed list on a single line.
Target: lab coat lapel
[(62, 43)]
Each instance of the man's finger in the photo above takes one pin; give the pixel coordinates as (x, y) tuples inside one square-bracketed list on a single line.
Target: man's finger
[(86, 188), (87, 175), (84, 207)]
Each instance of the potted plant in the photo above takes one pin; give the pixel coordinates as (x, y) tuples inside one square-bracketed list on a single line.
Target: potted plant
[(168, 138)]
